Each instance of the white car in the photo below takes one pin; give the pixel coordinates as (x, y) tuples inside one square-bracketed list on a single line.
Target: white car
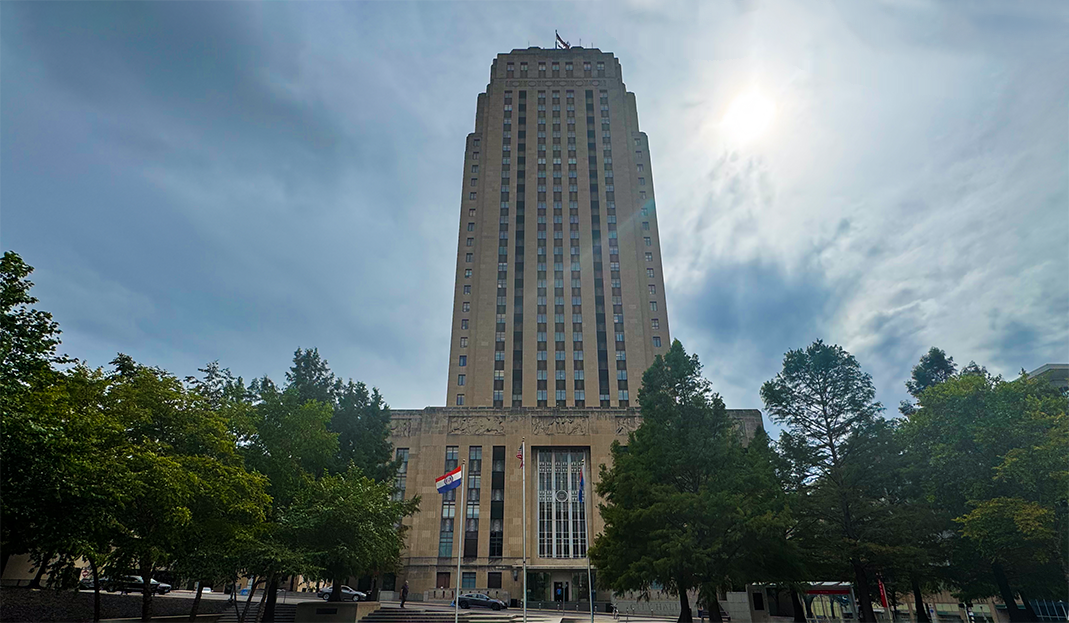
[(347, 594)]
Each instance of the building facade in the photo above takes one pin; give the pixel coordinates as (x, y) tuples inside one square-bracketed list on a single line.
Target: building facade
[(559, 308), (559, 291)]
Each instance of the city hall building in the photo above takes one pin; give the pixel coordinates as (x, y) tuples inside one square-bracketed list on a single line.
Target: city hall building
[(558, 309)]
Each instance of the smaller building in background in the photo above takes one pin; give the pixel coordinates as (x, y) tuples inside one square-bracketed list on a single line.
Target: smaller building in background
[(1057, 374)]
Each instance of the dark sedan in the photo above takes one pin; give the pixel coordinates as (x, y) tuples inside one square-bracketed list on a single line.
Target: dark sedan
[(479, 600)]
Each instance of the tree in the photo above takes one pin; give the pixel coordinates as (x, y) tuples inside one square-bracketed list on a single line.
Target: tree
[(182, 465), (994, 453), (349, 525), (311, 378), (686, 506), (934, 368), (827, 405), (362, 421), (28, 341)]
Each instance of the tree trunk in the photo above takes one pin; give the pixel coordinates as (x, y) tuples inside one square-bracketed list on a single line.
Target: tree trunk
[(714, 609), (146, 589), (685, 615), (1028, 610), (918, 601), (796, 605), (252, 591), (96, 587), (1007, 593), (196, 602), (36, 582), (808, 606), (260, 611), (373, 595), (861, 586), (272, 597), (335, 588)]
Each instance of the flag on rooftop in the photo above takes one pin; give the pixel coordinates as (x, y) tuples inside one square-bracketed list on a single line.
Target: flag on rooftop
[(449, 481)]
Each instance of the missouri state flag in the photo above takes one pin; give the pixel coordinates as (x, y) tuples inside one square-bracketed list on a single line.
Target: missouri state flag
[(449, 481)]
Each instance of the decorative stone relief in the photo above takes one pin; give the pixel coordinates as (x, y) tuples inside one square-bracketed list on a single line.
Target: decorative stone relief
[(477, 425), (627, 424), (403, 428), (559, 425)]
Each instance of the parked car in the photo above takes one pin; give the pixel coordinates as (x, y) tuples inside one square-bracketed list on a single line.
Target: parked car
[(347, 594), (479, 600), (133, 584)]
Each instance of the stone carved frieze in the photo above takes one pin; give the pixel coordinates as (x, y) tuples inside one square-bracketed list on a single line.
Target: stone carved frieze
[(403, 428), (559, 425), (628, 423), (477, 425)]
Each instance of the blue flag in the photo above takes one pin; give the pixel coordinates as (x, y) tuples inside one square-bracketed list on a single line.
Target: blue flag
[(582, 487)]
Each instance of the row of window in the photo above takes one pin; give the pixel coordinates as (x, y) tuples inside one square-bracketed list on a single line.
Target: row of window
[(569, 69)]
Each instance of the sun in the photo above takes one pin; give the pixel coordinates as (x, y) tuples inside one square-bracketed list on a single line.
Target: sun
[(749, 116)]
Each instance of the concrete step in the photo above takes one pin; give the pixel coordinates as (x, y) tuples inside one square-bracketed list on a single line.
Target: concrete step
[(284, 613)]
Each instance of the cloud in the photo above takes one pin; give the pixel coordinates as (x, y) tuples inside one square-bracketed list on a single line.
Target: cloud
[(231, 181)]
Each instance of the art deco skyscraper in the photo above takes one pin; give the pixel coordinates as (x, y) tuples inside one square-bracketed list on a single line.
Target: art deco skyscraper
[(559, 296)]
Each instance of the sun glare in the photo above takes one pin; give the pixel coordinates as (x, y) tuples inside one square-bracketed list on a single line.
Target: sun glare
[(749, 116)]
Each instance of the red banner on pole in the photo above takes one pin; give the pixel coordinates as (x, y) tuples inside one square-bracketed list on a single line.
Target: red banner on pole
[(883, 593)]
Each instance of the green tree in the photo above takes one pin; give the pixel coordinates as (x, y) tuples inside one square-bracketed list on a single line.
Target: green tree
[(182, 466), (362, 421), (934, 368), (994, 453), (686, 506), (827, 405), (28, 341), (349, 525)]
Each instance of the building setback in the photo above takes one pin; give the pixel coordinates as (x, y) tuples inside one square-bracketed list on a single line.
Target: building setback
[(559, 308)]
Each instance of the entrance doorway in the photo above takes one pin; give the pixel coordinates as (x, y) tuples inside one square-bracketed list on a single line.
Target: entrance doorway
[(560, 591)]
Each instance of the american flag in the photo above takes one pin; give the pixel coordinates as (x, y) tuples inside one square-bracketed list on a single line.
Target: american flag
[(519, 455)]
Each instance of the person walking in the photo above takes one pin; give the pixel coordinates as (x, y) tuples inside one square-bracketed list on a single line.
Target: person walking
[(404, 594)]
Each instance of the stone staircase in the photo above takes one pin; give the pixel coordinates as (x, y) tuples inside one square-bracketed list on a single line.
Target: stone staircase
[(284, 613), (393, 614)]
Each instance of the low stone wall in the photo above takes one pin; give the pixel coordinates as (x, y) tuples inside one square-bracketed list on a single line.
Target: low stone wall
[(20, 604)]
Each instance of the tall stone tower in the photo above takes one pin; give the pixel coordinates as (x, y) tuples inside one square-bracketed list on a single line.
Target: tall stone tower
[(559, 296)]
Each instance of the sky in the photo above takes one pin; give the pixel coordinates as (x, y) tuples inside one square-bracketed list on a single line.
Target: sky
[(232, 181)]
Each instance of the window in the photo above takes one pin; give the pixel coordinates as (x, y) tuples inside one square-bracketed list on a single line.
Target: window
[(460, 400), (622, 395), (463, 342), (621, 375), (649, 256), (471, 211), (641, 181), (471, 195), (655, 323), (579, 375), (442, 579), (464, 323), (649, 273), (645, 225), (400, 479), (621, 355), (470, 242), (467, 289), (653, 289), (468, 257), (467, 579), (640, 167), (467, 273), (561, 518), (649, 242), (474, 181), (474, 169), (475, 155), (460, 379), (493, 579), (463, 361), (645, 211), (657, 341), (653, 305)]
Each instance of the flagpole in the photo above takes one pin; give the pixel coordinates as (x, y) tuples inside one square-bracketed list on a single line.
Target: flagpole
[(523, 466), (462, 513), (589, 575)]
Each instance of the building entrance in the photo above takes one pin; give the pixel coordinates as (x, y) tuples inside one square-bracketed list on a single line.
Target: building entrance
[(560, 591)]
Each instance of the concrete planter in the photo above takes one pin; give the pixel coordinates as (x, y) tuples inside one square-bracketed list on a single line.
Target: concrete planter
[(334, 611)]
